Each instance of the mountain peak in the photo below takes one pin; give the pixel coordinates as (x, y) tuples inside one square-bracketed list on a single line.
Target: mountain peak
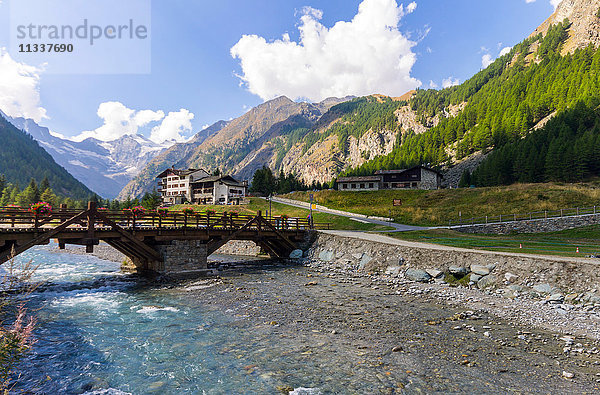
[(584, 16)]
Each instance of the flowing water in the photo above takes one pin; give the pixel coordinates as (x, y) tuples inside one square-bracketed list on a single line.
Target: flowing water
[(100, 331), (268, 330)]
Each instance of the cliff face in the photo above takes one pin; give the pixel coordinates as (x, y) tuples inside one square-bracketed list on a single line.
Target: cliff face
[(585, 23)]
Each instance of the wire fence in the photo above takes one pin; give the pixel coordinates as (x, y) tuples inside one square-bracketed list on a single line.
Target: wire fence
[(536, 215)]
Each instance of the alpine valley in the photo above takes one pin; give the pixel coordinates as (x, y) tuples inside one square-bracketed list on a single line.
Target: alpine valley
[(530, 116), (505, 107)]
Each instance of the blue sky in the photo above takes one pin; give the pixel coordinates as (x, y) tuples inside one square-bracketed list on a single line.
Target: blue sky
[(195, 80)]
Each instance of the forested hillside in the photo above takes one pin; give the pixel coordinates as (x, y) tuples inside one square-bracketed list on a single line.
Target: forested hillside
[(566, 149), (503, 102), (22, 159)]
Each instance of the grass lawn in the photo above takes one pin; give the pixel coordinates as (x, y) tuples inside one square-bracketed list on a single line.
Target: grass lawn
[(563, 243), (430, 208), (257, 204)]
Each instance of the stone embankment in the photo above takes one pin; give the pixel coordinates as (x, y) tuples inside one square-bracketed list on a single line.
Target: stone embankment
[(556, 279), (532, 226), (558, 294)]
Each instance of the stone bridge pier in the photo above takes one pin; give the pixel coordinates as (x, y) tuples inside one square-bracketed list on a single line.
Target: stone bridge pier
[(180, 258)]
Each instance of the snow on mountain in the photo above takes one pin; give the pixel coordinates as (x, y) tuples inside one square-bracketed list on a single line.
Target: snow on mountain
[(104, 167)]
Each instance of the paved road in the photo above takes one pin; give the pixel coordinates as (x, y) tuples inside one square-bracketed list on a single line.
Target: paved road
[(397, 227)]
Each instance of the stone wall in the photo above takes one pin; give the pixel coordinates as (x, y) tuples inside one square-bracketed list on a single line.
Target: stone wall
[(183, 256), (429, 180), (350, 254), (239, 247), (532, 226)]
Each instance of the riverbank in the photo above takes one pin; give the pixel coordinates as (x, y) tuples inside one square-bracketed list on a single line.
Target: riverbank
[(340, 329), (369, 333)]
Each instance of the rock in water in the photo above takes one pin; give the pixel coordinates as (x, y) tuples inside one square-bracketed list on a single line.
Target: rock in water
[(393, 271), (481, 270), (296, 254), (417, 275)]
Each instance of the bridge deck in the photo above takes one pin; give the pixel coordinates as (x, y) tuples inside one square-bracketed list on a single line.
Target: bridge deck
[(137, 234)]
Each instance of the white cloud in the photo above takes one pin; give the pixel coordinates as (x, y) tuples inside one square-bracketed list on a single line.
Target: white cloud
[(173, 126), (450, 81), (119, 121), (364, 56), (19, 89), (433, 85), (486, 60), (505, 51), (554, 3)]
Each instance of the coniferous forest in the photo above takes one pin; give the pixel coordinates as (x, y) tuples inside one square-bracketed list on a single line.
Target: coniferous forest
[(503, 103)]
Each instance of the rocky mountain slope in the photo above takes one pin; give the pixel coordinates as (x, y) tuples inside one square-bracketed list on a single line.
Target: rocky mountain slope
[(519, 92), (240, 146), (22, 158), (106, 167), (584, 16)]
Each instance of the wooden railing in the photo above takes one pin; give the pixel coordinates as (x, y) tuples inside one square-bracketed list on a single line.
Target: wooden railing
[(16, 217)]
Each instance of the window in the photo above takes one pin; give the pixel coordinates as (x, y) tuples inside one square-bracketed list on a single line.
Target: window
[(353, 186), (414, 184), (371, 185), (414, 176), (344, 186), (362, 186), (385, 185)]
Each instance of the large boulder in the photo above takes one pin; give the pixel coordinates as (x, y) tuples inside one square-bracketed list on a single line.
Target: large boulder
[(458, 271), (417, 275), (480, 269), (487, 281), (545, 289), (326, 256)]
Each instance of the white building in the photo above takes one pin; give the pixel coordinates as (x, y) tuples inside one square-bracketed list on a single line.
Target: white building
[(174, 185), (197, 186)]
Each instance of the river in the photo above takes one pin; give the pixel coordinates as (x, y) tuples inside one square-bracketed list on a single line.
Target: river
[(267, 329)]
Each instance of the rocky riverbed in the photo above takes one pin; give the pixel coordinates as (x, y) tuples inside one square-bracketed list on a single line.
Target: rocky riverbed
[(400, 336), (387, 334)]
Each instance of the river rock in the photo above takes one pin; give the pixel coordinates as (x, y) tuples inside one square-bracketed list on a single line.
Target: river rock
[(434, 272), (590, 297), (480, 269), (556, 298), (364, 261), (487, 281), (545, 289), (357, 256), (417, 275), (515, 288), (296, 254), (326, 256), (511, 278), (570, 298), (475, 277), (457, 271), (393, 271)]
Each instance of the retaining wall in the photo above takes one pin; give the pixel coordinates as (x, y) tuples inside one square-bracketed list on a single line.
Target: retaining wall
[(358, 255)]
